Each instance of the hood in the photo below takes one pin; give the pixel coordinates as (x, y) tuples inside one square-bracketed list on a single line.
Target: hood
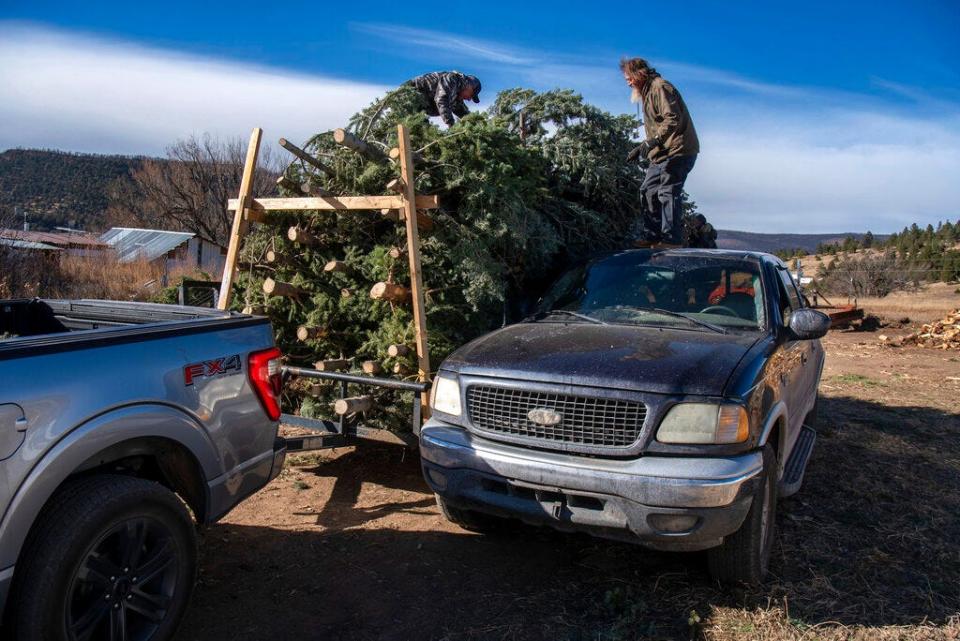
[(636, 358)]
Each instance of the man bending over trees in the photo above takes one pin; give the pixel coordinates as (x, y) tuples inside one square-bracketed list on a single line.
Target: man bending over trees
[(444, 92), (671, 148)]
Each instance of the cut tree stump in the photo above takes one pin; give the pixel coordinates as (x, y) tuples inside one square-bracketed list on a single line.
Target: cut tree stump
[(397, 253), (348, 140), (396, 185), (391, 292), (401, 370), (332, 365), (305, 157), (272, 256), (398, 350), (336, 266), (395, 155), (305, 333), (288, 184), (317, 389), (273, 287), (424, 221), (353, 405), (312, 189), (255, 310), (345, 293), (371, 367), (302, 236)]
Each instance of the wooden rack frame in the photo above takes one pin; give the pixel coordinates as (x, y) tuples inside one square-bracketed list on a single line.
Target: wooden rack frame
[(249, 209)]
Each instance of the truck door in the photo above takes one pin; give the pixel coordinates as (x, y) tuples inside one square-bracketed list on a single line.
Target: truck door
[(13, 426), (800, 362)]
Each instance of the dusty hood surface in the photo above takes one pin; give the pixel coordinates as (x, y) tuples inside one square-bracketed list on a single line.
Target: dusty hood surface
[(636, 358)]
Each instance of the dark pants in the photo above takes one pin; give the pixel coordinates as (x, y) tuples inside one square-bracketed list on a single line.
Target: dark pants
[(661, 215)]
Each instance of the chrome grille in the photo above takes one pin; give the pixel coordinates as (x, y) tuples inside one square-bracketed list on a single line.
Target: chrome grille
[(598, 422)]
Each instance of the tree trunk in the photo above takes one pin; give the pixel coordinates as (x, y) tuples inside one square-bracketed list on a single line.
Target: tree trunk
[(336, 266), (302, 236), (348, 140), (273, 287), (352, 405), (391, 292), (305, 157), (398, 350), (371, 367), (332, 365), (307, 333)]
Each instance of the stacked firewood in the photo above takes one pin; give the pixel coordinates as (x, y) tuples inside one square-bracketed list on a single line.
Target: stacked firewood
[(941, 334)]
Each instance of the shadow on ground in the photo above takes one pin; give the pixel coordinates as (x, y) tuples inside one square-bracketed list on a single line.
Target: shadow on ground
[(870, 540)]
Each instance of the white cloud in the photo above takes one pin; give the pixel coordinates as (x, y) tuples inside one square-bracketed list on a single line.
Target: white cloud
[(81, 93), (425, 40), (775, 157)]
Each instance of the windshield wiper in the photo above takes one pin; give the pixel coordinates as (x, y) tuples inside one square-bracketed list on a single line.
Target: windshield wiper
[(695, 321), (569, 313)]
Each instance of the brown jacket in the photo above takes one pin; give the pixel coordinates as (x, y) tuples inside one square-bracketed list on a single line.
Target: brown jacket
[(665, 117)]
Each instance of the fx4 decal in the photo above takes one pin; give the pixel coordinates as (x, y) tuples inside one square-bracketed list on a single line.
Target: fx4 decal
[(215, 367)]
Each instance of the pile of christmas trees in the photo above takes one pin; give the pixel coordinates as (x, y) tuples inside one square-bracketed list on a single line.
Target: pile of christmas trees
[(534, 184)]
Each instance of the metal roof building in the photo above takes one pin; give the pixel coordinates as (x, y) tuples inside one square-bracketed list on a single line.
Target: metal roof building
[(27, 244), (143, 244)]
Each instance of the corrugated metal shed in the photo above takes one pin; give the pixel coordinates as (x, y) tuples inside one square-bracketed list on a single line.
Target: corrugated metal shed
[(132, 244), (73, 239)]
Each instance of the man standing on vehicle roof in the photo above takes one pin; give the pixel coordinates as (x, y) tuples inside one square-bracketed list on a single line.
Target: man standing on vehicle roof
[(671, 148), (444, 92)]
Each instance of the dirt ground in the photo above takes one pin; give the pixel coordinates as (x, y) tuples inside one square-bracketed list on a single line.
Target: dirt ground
[(350, 545)]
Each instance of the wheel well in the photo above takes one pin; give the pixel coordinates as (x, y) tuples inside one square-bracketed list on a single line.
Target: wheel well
[(774, 439), (157, 459)]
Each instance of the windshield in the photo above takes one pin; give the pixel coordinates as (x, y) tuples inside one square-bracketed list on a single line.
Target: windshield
[(636, 287)]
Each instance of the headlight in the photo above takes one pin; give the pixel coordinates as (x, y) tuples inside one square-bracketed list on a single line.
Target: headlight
[(695, 423), (445, 395)]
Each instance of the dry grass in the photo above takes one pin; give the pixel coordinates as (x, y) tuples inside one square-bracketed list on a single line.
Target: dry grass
[(775, 624), (930, 302), (25, 275), (98, 277)]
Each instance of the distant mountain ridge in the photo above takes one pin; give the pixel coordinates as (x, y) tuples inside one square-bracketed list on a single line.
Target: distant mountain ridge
[(57, 188), (752, 241)]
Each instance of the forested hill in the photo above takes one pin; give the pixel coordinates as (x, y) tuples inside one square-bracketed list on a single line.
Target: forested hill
[(57, 188), (730, 239)]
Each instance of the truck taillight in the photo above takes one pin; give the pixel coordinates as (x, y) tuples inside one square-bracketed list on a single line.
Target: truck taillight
[(266, 380)]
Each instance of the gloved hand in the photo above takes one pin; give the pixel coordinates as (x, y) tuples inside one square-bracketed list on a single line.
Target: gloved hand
[(639, 153)]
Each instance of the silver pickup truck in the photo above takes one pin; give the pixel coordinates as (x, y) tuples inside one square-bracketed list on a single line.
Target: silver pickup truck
[(122, 427), (664, 398)]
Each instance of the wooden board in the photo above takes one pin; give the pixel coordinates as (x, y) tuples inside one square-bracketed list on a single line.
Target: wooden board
[(410, 205), (331, 203), (239, 229)]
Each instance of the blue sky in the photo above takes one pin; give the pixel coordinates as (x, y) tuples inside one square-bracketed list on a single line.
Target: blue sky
[(830, 117)]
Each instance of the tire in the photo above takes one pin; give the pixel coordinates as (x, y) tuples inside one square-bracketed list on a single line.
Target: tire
[(469, 519), (744, 556), (107, 552)]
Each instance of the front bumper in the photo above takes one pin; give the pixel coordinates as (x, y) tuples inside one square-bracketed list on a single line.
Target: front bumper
[(668, 503)]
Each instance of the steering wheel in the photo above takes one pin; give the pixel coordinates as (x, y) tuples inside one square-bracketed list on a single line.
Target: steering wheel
[(726, 311)]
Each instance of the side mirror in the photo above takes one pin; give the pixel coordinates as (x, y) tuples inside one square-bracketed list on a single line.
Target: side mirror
[(808, 324)]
